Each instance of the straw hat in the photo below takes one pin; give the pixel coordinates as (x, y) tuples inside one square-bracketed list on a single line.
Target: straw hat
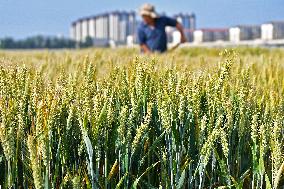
[(148, 10)]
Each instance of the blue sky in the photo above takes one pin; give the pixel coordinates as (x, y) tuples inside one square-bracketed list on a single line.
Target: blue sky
[(22, 18)]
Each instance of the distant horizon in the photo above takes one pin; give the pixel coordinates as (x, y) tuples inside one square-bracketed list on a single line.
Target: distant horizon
[(53, 18)]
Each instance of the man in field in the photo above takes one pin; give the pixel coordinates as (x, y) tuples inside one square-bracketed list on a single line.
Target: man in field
[(151, 33)]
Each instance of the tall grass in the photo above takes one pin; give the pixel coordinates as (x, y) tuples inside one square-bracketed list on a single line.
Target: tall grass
[(193, 119)]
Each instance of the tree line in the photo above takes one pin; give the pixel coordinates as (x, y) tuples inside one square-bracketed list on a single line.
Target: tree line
[(43, 42)]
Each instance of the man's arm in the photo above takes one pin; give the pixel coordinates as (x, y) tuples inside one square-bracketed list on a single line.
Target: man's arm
[(174, 23), (182, 35), (142, 41)]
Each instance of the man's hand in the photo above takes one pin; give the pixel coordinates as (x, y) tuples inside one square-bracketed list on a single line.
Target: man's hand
[(145, 49), (182, 35), (183, 39)]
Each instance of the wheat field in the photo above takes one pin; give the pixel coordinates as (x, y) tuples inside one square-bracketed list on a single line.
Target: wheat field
[(104, 118)]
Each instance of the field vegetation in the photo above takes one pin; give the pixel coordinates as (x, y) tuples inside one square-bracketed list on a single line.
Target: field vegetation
[(102, 118)]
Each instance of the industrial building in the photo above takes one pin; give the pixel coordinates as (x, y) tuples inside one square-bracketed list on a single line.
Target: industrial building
[(272, 30), (210, 35), (187, 20), (114, 26), (189, 34), (120, 27), (244, 32)]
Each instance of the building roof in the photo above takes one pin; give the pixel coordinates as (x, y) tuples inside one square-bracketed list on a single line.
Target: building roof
[(184, 15), (276, 22), (214, 29), (103, 15), (246, 26)]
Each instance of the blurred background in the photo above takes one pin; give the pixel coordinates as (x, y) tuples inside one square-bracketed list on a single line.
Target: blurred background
[(78, 24)]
